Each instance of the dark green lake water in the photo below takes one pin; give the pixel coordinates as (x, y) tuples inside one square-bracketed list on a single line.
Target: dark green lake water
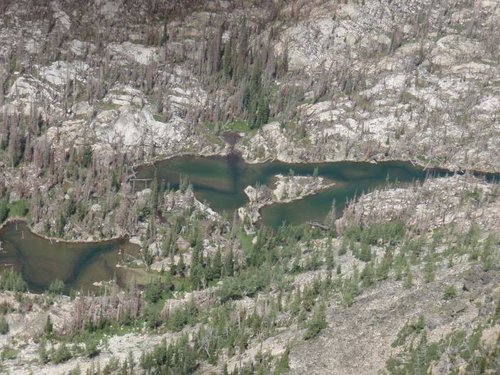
[(219, 181), (41, 261)]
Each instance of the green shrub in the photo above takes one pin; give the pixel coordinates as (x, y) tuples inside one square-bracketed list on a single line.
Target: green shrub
[(8, 352), (386, 232), (282, 364), (350, 289), (12, 280), (19, 208), (317, 323), (4, 209), (4, 326), (450, 292), (62, 354), (409, 329), (48, 328), (92, 348), (5, 308), (245, 284), (56, 287), (42, 352)]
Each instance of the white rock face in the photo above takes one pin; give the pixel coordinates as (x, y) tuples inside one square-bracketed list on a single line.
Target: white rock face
[(79, 48), (29, 95), (61, 72), (285, 189), (367, 87), (307, 43), (109, 8), (435, 203), (133, 128), (123, 95), (63, 20), (82, 109), (288, 188), (95, 208), (137, 53)]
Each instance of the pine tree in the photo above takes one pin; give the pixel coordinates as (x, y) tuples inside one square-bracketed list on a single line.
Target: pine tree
[(227, 67), (48, 328), (282, 365), (229, 264), (329, 259), (317, 322), (429, 269), (408, 278), (343, 247), (368, 275), (217, 264), (4, 326), (365, 253), (42, 352), (181, 266), (62, 354), (56, 287), (131, 362), (154, 194), (4, 210), (196, 271)]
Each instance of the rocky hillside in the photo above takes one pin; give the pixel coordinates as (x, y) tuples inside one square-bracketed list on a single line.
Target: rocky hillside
[(333, 80), (404, 282), (393, 291)]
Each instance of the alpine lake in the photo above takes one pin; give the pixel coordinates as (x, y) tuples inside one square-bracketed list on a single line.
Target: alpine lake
[(218, 181)]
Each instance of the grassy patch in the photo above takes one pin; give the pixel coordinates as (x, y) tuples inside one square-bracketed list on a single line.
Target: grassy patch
[(238, 126), (139, 276), (245, 241), (16, 209), (106, 106), (458, 28), (407, 97), (8, 352), (158, 117), (450, 292), (19, 208)]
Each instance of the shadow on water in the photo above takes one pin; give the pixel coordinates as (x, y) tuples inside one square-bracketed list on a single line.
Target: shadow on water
[(220, 182), (233, 162), (42, 261)]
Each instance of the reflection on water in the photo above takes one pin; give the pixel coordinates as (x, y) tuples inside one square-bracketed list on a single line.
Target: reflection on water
[(217, 180), (42, 261), (220, 182)]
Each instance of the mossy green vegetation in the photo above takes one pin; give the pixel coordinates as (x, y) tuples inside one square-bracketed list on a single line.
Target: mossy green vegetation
[(237, 126), (457, 347), (17, 209), (12, 280), (4, 326)]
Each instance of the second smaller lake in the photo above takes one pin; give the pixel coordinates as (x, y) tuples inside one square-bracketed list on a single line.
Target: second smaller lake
[(79, 265)]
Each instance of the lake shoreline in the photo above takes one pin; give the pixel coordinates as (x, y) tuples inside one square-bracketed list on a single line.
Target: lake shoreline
[(258, 206), (229, 152), (24, 221), (77, 263), (207, 173), (232, 138), (226, 154)]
